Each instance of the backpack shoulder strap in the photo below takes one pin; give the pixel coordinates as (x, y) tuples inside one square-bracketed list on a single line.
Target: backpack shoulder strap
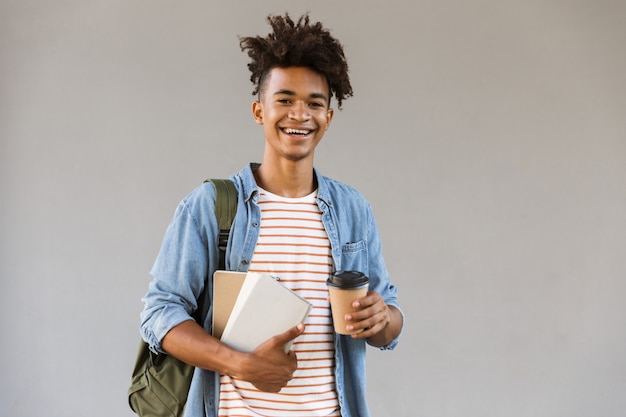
[(225, 210)]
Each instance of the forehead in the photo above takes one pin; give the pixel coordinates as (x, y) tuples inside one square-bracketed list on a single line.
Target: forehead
[(301, 80)]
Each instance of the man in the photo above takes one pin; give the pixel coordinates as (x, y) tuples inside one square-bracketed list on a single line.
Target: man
[(293, 223)]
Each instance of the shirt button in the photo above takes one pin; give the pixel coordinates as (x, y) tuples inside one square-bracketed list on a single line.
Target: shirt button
[(255, 224), (245, 262)]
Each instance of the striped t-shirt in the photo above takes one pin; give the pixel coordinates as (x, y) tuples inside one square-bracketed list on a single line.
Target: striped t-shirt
[(293, 246)]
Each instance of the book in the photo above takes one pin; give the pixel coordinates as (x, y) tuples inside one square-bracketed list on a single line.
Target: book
[(226, 286), (263, 308)]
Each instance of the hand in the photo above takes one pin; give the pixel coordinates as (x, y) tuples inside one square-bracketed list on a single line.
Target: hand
[(268, 367), (372, 315)]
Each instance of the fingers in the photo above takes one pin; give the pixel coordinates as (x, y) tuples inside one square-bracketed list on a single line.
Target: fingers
[(269, 367), (372, 315), (370, 326), (367, 306)]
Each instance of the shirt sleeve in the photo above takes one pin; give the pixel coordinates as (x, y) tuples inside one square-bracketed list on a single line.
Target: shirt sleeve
[(378, 270), (180, 270)]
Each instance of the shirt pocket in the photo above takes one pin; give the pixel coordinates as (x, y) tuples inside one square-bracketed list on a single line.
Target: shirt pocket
[(354, 257)]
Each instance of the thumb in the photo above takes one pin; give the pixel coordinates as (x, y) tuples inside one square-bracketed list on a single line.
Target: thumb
[(290, 334)]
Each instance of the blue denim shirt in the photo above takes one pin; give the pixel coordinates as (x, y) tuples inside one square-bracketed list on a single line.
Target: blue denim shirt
[(189, 256)]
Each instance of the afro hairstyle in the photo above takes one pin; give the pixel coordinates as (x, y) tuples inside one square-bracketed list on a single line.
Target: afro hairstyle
[(298, 44)]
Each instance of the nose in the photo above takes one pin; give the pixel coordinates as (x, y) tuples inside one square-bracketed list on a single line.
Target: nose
[(299, 111)]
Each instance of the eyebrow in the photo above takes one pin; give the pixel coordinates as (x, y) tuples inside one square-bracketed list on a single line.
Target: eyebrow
[(292, 93)]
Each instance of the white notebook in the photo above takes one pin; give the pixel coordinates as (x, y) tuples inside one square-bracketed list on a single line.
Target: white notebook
[(264, 308)]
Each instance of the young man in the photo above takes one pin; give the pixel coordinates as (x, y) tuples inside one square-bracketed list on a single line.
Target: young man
[(293, 223)]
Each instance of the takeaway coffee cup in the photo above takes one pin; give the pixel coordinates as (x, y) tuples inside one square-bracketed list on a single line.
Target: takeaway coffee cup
[(344, 287)]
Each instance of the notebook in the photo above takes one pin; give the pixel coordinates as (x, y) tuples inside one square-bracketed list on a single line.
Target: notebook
[(254, 307)]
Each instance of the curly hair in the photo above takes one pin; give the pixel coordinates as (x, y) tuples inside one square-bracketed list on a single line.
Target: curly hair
[(300, 44)]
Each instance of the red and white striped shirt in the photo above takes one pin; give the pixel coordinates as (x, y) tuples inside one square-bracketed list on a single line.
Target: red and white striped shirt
[(293, 246)]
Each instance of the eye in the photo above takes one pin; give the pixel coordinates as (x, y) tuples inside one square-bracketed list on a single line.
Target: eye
[(316, 104)]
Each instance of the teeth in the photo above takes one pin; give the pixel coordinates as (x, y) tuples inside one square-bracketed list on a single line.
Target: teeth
[(297, 132)]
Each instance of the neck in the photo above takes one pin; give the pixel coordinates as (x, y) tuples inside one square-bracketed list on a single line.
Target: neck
[(286, 178)]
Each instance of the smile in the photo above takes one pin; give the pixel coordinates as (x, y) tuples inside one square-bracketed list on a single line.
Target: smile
[(301, 132)]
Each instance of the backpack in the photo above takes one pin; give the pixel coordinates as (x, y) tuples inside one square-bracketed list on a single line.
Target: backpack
[(160, 383)]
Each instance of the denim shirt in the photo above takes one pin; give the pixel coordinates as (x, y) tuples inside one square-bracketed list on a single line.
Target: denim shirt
[(189, 256)]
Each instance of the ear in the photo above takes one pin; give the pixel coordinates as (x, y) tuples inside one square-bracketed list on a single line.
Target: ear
[(257, 112), (329, 117)]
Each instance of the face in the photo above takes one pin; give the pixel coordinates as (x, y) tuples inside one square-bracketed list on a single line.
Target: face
[(294, 110)]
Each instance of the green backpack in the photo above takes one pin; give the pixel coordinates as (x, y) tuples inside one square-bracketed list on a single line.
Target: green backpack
[(160, 383)]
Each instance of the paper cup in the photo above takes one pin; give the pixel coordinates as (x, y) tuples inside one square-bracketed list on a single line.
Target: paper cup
[(344, 288)]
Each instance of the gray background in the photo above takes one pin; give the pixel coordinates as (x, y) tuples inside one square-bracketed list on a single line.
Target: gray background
[(489, 136)]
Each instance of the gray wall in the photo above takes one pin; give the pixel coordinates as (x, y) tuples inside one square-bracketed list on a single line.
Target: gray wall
[(490, 137)]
